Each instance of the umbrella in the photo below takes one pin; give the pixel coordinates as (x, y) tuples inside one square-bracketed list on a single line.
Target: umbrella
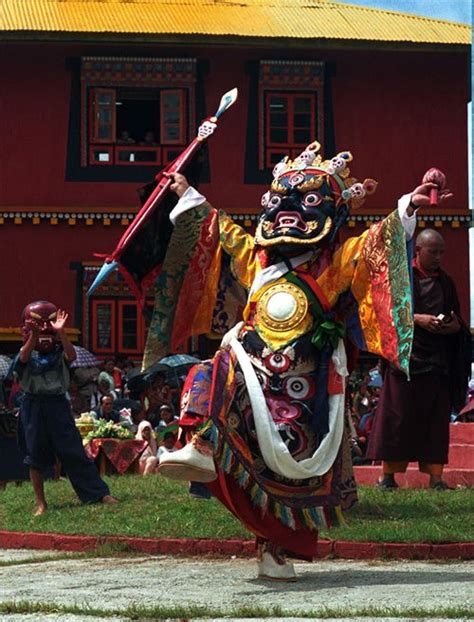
[(84, 358), (5, 363), (178, 360), (173, 366)]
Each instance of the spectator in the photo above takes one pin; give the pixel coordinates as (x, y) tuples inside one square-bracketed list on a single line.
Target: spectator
[(149, 139), (113, 374), (157, 395), (79, 402), (132, 416), (104, 389), (125, 138), (106, 410), (412, 420), (168, 444), (16, 394), (362, 401), (148, 459), (86, 380), (167, 417)]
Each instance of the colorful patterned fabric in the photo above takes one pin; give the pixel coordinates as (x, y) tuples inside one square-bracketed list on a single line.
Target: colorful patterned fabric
[(181, 250), (309, 502), (121, 454), (365, 282), (363, 287)]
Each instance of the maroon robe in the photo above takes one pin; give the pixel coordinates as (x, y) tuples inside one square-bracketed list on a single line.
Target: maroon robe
[(412, 417)]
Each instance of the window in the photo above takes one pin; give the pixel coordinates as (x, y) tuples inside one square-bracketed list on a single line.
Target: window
[(291, 110), (135, 111), (117, 326), (290, 124), (128, 326), (288, 110), (103, 333)]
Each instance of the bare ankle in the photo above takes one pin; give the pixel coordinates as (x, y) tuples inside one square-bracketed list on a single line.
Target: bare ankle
[(41, 509), (109, 500)]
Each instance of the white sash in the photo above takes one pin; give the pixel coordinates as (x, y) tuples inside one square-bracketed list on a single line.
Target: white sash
[(274, 451)]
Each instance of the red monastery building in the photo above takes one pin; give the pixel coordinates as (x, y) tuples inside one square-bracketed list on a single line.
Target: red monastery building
[(99, 95)]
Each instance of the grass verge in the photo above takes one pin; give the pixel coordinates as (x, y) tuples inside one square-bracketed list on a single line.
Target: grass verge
[(139, 612), (156, 507)]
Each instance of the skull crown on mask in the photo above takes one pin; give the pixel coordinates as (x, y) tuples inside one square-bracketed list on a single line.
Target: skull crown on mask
[(309, 200)]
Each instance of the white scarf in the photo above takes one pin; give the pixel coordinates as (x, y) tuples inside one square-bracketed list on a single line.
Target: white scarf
[(274, 451)]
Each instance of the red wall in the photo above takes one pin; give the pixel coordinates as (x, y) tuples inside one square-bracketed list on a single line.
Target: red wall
[(398, 112)]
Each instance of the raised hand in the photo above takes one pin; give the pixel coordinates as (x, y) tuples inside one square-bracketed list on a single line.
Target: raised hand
[(179, 183), (420, 197), (60, 322)]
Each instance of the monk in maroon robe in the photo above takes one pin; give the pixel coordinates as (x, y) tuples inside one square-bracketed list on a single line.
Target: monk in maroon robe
[(412, 418)]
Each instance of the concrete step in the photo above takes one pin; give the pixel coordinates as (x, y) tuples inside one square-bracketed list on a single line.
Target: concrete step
[(369, 476), (461, 456), (462, 433)]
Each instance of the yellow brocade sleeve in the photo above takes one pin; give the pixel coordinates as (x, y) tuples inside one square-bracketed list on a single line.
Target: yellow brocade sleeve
[(337, 278), (373, 271), (239, 245)]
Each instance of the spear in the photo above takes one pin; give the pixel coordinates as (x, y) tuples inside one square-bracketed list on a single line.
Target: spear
[(163, 184)]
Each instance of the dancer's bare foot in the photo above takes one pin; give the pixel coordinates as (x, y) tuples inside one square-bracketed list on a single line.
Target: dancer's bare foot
[(109, 500), (41, 509)]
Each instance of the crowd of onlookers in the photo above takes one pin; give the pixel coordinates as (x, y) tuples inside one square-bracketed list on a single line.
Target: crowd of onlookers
[(117, 392), (362, 399), (147, 405)]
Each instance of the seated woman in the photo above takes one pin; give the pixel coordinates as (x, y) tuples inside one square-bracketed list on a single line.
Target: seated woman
[(148, 461)]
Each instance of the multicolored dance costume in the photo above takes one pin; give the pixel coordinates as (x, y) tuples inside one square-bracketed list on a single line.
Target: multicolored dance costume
[(267, 412)]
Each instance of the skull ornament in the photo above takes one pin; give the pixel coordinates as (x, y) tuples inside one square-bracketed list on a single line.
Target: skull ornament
[(206, 129), (357, 191), (306, 158), (336, 165), (40, 314)]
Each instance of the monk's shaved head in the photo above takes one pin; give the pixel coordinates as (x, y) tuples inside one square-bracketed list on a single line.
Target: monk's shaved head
[(427, 236), (429, 249)]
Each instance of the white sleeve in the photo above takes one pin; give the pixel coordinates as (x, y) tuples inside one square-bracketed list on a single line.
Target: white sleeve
[(408, 222), (191, 198)]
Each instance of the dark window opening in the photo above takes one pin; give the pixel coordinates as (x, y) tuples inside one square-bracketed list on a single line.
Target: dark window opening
[(136, 126)]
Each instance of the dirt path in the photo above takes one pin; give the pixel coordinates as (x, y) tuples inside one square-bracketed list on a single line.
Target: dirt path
[(113, 584)]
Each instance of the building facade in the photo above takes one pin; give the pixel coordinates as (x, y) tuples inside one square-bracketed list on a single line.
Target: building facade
[(90, 116)]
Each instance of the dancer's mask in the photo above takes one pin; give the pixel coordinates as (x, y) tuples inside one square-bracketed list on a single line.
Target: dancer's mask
[(40, 314), (309, 199)]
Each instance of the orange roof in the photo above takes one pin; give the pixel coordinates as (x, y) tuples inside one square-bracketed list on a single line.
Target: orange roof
[(294, 19)]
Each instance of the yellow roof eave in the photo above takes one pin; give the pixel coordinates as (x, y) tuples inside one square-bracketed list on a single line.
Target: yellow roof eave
[(299, 20)]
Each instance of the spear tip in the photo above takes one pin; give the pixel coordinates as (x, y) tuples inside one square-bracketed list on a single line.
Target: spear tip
[(227, 100)]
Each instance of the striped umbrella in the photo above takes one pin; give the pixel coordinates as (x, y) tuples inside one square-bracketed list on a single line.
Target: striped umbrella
[(5, 362), (84, 358)]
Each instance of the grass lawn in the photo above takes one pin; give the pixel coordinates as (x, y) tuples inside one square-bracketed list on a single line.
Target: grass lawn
[(157, 507)]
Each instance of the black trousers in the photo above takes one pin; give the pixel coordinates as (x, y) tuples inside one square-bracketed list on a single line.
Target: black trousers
[(46, 429)]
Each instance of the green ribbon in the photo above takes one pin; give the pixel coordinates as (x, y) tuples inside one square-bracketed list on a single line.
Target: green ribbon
[(328, 330)]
